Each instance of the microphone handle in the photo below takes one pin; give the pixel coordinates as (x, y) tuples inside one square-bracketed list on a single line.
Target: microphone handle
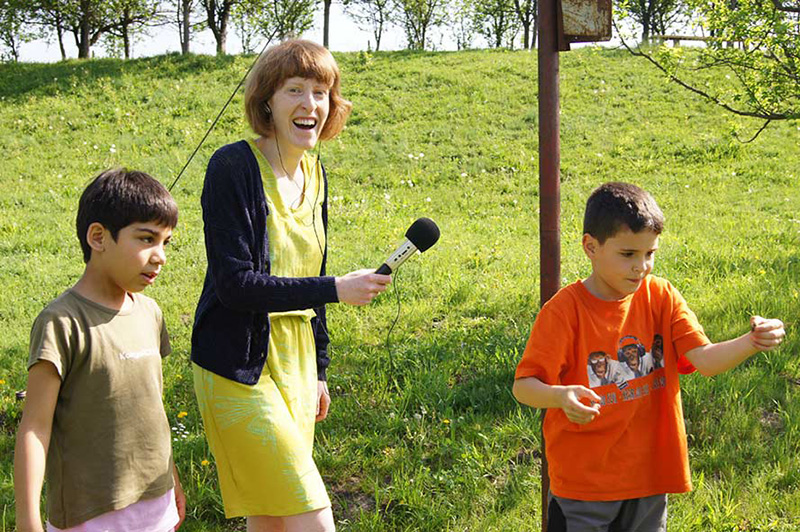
[(384, 269)]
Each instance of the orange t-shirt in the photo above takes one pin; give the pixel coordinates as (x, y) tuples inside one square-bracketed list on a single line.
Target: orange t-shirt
[(636, 447)]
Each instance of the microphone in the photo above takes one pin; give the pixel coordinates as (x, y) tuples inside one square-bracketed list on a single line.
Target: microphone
[(422, 234)]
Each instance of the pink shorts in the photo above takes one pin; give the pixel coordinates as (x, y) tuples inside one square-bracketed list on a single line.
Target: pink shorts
[(149, 515)]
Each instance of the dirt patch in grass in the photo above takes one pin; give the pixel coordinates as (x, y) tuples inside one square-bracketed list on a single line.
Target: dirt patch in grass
[(348, 500)]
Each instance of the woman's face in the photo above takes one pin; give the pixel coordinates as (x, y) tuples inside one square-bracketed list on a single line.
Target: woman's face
[(299, 110)]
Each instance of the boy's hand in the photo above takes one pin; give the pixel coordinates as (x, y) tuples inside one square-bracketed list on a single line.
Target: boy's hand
[(576, 411), (765, 334)]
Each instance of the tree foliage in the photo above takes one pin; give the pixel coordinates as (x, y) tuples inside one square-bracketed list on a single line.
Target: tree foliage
[(654, 16), (129, 17), (261, 21), (753, 51), (497, 21), (14, 29), (377, 15), (418, 17)]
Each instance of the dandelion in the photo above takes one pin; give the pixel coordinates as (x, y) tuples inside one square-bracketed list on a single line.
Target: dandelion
[(2, 381), (446, 421), (182, 414), (204, 462)]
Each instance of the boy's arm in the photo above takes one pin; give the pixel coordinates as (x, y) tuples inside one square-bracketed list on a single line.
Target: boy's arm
[(713, 359), (533, 392), (33, 439), (180, 497)]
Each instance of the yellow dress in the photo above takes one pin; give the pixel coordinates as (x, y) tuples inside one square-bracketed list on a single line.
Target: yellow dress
[(262, 435)]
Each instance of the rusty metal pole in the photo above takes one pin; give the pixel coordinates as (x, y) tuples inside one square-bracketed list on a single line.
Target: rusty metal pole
[(549, 174)]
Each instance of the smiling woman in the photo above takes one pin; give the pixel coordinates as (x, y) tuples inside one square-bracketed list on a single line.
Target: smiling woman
[(260, 338)]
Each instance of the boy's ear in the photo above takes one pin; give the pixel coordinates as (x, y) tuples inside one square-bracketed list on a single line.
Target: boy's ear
[(590, 245), (96, 237)]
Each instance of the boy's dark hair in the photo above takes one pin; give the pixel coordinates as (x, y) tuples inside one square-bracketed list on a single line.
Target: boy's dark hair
[(119, 197), (614, 205)]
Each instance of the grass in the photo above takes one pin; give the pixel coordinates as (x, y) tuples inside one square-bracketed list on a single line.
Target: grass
[(424, 433)]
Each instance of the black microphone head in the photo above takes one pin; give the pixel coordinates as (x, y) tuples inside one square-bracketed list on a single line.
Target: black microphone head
[(423, 233)]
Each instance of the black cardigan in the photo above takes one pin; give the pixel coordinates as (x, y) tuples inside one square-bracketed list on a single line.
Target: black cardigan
[(230, 336)]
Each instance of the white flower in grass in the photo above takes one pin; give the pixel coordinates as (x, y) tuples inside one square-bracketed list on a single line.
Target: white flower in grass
[(463, 174), (428, 200)]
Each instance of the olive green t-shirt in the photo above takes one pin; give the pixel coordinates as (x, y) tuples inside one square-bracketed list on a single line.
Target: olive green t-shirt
[(110, 443)]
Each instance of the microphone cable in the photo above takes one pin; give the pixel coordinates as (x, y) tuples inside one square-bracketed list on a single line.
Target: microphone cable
[(221, 112), (396, 290)]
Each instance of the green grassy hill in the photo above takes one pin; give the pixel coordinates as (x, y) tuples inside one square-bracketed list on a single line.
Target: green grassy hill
[(424, 433)]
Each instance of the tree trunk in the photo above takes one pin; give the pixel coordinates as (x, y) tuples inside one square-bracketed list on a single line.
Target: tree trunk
[(326, 24), (84, 46), (535, 32), (60, 33), (378, 33), (526, 29), (126, 39), (186, 26)]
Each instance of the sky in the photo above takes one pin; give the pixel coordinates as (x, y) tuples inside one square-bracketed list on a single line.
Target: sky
[(345, 36)]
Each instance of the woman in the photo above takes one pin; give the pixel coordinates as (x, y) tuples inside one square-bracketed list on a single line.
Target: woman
[(259, 343)]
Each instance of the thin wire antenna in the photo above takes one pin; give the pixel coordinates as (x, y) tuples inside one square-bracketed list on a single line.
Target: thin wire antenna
[(221, 112)]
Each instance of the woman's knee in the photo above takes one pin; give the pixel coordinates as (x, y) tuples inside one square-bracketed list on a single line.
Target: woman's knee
[(314, 521), (265, 523)]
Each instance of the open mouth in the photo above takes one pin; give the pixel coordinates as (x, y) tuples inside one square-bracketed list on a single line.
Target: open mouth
[(305, 123)]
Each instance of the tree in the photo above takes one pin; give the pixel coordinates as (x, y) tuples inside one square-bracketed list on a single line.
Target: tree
[(497, 21), (272, 19), (377, 14), (654, 16), (88, 20), (754, 53), (526, 11), (463, 22), (180, 17), (51, 16), (14, 29), (417, 17), (218, 14), (129, 16), (326, 21)]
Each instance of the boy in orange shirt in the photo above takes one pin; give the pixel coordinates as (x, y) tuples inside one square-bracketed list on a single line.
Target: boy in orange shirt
[(600, 438)]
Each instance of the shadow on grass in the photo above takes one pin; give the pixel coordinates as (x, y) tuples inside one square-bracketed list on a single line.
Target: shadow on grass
[(19, 80)]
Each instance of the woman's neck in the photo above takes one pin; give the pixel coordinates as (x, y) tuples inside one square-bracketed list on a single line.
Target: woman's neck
[(284, 160)]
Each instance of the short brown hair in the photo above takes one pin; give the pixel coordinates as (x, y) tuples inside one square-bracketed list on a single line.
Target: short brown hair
[(119, 197), (292, 58), (614, 206)]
